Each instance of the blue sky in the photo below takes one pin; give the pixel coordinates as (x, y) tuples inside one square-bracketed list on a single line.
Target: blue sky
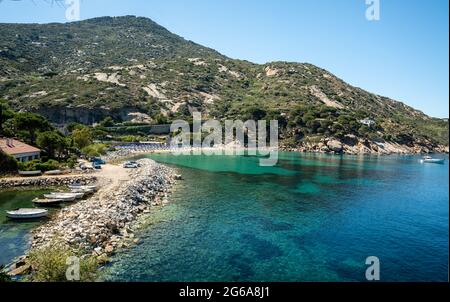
[(404, 55)]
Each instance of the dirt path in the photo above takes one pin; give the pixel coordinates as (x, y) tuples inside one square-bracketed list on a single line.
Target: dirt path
[(109, 179)]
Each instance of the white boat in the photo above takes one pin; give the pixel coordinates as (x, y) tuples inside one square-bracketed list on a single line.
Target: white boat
[(53, 172), (66, 198), (47, 202), (88, 187), (429, 159), (27, 213), (69, 194), (30, 173), (84, 191)]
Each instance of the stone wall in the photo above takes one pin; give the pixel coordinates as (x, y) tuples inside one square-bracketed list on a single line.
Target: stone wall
[(43, 181)]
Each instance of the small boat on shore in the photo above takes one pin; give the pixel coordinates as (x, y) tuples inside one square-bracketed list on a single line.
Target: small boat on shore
[(30, 173), (65, 198), (81, 187), (84, 191), (47, 202), (430, 160), (27, 213), (62, 194), (53, 172)]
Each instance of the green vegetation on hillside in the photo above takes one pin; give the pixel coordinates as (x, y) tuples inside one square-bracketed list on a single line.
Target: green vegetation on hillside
[(131, 70)]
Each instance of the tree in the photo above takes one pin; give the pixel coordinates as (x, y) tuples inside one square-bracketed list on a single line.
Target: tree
[(82, 137), (72, 126), (5, 114), (94, 150), (107, 122), (1, 119), (160, 119), (256, 113), (30, 124), (7, 163), (52, 142)]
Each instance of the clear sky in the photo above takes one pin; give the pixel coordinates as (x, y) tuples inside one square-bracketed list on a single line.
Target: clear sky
[(404, 55)]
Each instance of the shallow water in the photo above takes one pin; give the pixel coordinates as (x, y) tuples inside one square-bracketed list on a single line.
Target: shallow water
[(14, 235), (311, 218)]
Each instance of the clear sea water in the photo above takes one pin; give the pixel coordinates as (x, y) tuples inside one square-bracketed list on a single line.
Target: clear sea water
[(310, 218), (14, 235)]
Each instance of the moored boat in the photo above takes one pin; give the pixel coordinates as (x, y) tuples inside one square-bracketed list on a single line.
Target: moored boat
[(82, 187), (47, 202), (53, 172), (429, 159), (30, 173), (27, 213), (84, 191), (69, 194), (65, 198)]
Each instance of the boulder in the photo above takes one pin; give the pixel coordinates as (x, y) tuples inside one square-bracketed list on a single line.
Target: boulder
[(335, 145), (21, 270)]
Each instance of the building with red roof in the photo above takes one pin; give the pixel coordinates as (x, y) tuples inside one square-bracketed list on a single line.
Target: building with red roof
[(19, 150)]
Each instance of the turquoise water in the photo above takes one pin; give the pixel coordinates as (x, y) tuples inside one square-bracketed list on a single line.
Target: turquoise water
[(311, 218), (14, 235)]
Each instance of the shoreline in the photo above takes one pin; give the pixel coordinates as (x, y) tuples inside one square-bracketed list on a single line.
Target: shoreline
[(103, 224), (125, 154), (45, 181)]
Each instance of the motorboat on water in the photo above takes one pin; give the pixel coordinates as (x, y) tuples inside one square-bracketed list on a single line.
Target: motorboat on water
[(27, 213), (429, 159)]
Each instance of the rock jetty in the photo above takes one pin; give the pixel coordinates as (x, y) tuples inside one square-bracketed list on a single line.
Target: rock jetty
[(104, 222)]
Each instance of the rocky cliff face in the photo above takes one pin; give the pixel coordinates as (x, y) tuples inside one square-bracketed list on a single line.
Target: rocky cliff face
[(65, 115)]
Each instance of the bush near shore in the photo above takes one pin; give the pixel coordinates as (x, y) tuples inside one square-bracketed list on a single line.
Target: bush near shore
[(8, 164), (50, 264)]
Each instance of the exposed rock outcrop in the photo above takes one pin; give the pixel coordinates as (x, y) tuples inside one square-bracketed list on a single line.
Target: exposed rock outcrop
[(351, 144)]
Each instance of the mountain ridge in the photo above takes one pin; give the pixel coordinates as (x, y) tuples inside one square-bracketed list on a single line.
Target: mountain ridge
[(87, 70)]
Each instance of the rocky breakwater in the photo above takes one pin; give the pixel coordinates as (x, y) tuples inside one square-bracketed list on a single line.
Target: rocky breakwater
[(104, 223)]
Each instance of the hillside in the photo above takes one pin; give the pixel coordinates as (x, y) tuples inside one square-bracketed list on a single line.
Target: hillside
[(128, 67)]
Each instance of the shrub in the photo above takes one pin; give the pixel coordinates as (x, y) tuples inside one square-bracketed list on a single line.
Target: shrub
[(40, 165), (94, 150), (4, 276), (72, 162), (7, 163), (49, 264)]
